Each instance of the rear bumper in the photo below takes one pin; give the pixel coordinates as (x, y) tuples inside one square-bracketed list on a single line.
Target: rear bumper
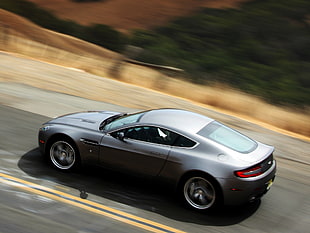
[(242, 190)]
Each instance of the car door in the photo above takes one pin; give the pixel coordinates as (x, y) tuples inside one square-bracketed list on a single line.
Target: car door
[(140, 150)]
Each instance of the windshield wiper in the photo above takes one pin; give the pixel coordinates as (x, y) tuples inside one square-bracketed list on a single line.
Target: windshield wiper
[(110, 119)]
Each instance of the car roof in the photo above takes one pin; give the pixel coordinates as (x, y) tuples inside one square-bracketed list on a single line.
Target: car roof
[(177, 119)]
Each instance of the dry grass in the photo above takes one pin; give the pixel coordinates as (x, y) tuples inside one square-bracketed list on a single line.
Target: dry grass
[(100, 62), (14, 25), (226, 99), (125, 15)]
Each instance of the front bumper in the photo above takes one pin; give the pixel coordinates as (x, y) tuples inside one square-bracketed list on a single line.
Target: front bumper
[(42, 139)]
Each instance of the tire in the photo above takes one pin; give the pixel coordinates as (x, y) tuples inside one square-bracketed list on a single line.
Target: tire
[(63, 155), (199, 192)]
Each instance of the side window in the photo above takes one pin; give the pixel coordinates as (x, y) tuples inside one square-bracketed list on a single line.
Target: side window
[(151, 134), (184, 142), (162, 136), (137, 133), (156, 135)]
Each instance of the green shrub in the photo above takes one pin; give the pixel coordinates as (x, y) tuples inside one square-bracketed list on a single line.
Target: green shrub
[(262, 48)]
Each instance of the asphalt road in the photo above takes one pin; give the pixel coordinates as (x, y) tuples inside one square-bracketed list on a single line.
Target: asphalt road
[(285, 208)]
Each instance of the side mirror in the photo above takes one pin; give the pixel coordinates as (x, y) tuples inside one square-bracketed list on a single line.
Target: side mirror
[(120, 136)]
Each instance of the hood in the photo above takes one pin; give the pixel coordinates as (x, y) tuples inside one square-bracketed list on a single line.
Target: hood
[(89, 120)]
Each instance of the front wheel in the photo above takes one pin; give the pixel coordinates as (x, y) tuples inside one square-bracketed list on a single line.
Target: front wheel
[(199, 193), (63, 155)]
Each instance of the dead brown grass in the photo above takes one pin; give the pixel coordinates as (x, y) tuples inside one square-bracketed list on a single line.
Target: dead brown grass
[(125, 15), (14, 25), (71, 52), (227, 100)]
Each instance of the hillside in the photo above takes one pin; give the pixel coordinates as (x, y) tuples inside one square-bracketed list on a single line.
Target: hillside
[(25, 38), (125, 15), (23, 28)]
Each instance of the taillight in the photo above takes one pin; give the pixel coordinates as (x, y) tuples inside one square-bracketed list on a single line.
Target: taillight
[(257, 169), (250, 172)]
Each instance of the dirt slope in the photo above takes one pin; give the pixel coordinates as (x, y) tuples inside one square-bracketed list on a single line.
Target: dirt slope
[(129, 14), (12, 24)]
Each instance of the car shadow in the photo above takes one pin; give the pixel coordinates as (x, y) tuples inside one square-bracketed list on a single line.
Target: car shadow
[(133, 191)]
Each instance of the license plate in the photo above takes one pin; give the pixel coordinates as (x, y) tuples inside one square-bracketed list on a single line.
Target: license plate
[(269, 183)]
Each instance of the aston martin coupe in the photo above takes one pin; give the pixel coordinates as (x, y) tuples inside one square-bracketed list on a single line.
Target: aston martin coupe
[(205, 161)]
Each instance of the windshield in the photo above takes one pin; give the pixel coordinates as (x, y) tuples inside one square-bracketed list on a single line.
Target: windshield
[(228, 137), (125, 120)]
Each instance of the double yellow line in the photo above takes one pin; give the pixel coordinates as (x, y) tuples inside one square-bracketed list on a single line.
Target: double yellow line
[(88, 205)]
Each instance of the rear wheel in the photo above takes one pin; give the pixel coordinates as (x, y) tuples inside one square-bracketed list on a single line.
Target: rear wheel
[(199, 192), (63, 155)]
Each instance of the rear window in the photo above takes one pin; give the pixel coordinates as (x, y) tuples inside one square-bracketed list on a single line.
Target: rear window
[(228, 137)]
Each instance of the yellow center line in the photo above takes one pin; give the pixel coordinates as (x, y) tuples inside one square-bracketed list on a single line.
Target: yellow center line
[(87, 205)]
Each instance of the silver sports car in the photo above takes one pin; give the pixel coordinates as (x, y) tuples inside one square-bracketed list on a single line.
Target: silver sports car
[(205, 161)]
